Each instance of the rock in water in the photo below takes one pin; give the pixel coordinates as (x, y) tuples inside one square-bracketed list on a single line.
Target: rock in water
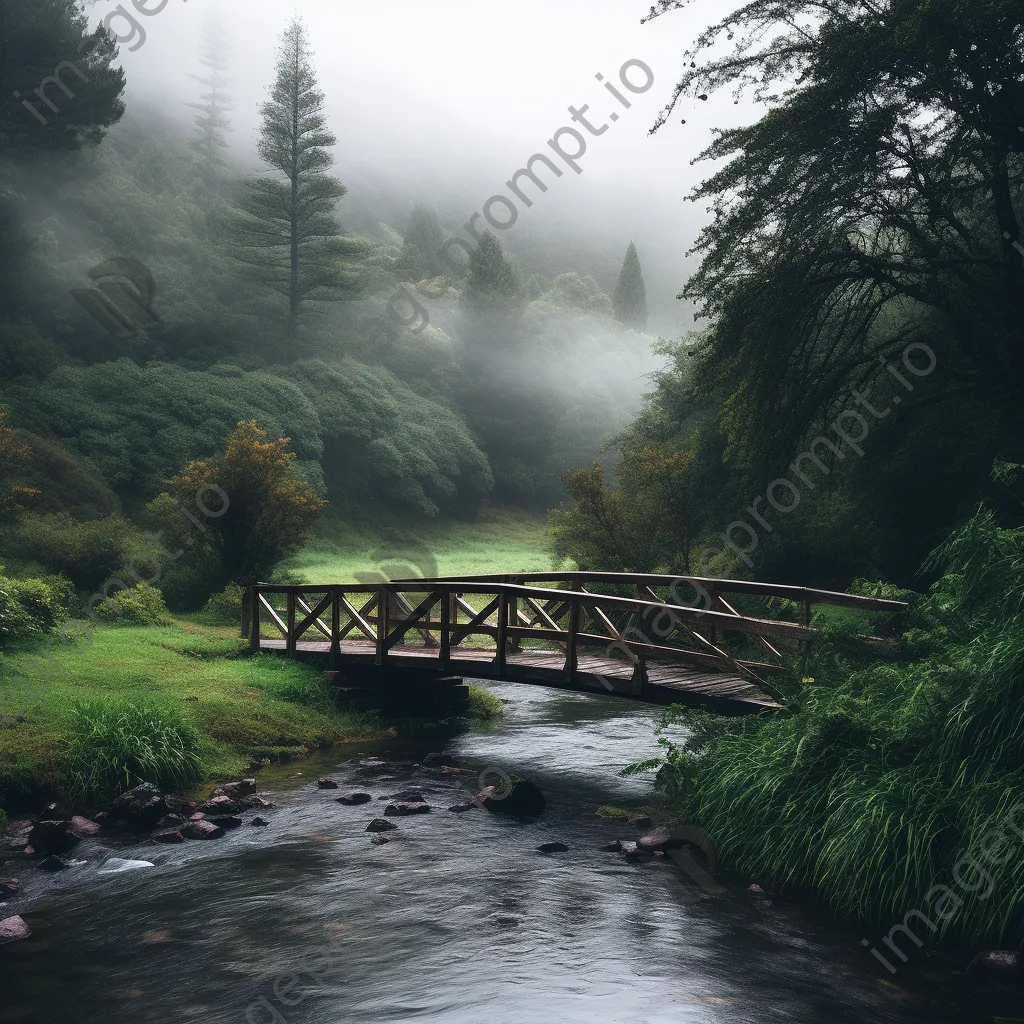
[(49, 837), (7, 886), (380, 840), (84, 828), (259, 823), (141, 805), (235, 790), (404, 807), (552, 848), (52, 864), (999, 960), (13, 929), (326, 784), (522, 799), (201, 830), (380, 825), (169, 836), (460, 808), (641, 822), (656, 840), (116, 865), (354, 797), (409, 796)]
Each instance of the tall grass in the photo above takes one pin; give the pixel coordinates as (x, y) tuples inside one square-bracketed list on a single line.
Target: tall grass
[(885, 773), (115, 745)]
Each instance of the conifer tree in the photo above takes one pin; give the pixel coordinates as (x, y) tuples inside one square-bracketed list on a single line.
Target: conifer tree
[(630, 298), (287, 228), (211, 123), (495, 284), (423, 238)]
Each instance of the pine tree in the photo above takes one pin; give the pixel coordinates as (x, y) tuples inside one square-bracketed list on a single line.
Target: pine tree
[(495, 285), (287, 228), (630, 298), (212, 124), (423, 238)]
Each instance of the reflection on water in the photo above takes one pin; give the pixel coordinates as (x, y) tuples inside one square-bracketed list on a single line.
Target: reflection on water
[(456, 920)]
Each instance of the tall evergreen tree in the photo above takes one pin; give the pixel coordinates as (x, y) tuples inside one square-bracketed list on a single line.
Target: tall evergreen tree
[(287, 228), (423, 238), (630, 298), (212, 123), (495, 285)]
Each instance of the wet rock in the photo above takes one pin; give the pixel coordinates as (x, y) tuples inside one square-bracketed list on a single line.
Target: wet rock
[(630, 849), (522, 799), (169, 821), (433, 758), (642, 822), (380, 825), (83, 828), (52, 864), (613, 847), (143, 805), (460, 808), (259, 823), (552, 848), (49, 837), (755, 889), (410, 796), (405, 807), (998, 960), (234, 790), (103, 819), (13, 929), (326, 784), (220, 805), (380, 840), (354, 797), (226, 822), (16, 841), (198, 816), (447, 769), (182, 808), (169, 836), (201, 830), (659, 839), (8, 886)]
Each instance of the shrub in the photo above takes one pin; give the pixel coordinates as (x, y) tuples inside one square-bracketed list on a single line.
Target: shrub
[(87, 553), (31, 608), (141, 605), (121, 744), (225, 607)]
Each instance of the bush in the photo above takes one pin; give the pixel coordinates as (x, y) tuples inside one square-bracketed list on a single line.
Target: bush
[(141, 605), (226, 607), (31, 608), (88, 553), (121, 744)]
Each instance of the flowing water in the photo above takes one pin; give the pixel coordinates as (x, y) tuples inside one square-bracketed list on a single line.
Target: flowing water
[(457, 920)]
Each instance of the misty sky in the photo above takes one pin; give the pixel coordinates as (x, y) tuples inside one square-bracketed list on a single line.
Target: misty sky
[(464, 91)]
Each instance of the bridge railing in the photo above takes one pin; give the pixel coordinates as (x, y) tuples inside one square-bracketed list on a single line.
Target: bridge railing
[(440, 616)]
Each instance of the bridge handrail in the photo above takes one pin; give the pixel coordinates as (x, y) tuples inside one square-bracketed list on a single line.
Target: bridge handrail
[(805, 595)]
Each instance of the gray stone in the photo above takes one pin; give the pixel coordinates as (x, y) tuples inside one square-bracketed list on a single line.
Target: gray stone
[(354, 797), (13, 929), (380, 825), (406, 807), (552, 848)]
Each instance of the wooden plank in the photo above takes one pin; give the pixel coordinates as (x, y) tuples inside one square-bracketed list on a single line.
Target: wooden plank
[(274, 617), (312, 617)]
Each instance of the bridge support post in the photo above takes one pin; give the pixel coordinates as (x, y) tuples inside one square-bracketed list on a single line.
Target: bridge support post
[(444, 656), (382, 625), (334, 658), (571, 654), (254, 617), (502, 631), (289, 640)]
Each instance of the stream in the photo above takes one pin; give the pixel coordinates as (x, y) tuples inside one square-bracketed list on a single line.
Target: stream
[(458, 919)]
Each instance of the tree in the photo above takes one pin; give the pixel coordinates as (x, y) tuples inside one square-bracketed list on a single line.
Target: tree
[(287, 228), (257, 510), (212, 123), (495, 286), (629, 299), (422, 242), (582, 293), (876, 205), (59, 85)]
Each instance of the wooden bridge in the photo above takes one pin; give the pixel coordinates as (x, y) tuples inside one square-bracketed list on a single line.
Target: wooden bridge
[(658, 639)]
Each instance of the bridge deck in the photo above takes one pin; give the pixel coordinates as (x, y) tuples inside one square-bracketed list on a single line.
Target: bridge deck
[(664, 683)]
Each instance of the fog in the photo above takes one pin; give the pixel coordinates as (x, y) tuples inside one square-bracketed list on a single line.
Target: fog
[(444, 102)]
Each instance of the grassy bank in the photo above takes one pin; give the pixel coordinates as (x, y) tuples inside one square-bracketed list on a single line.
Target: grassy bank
[(893, 788), (180, 702)]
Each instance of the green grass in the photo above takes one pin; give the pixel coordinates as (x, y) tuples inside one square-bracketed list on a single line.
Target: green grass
[(500, 541), (209, 712), (483, 704)]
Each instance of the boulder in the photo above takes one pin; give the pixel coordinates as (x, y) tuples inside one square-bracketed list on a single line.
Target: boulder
[(220, 805), (198, 816), (8, 886), (49, 837), (234, 790), (168, 836), (380, 825), (201, 830), (354, 797), (552, 848), (84, 828), (460, 808), (170, 821), (613, 847), (409, 796), (13, 929), (659, 839), (522, 799), (630, 849), (176, 805), (226, 822), (103, 819), (52, 864), (326, 784), (143, 805), (259, 823), (404, 807)]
